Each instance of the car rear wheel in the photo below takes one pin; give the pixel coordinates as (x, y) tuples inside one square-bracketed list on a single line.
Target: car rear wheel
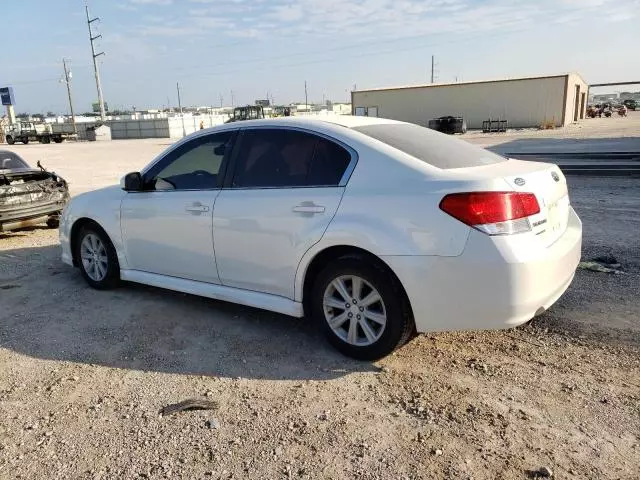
[(97, 258), (25, 140), (361, 309)]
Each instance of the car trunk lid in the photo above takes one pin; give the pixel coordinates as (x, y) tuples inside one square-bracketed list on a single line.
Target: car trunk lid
[(545, 180), (549, 185)]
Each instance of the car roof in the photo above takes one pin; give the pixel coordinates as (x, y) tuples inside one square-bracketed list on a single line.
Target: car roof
[(319, 121)]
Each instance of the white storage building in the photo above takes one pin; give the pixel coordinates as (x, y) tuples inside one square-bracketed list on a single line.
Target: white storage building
[(523, 102)]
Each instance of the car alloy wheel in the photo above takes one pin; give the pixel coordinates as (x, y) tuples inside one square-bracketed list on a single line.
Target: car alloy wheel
[(94, 257), (354, 310)]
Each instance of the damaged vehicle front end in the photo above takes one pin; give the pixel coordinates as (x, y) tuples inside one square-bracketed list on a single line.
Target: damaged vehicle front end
[(29, 196)]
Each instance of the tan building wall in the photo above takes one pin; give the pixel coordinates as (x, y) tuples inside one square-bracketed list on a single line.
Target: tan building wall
[(576, 99), (526, 102)]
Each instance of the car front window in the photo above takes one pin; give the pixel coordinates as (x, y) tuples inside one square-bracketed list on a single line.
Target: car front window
[(194, 165)]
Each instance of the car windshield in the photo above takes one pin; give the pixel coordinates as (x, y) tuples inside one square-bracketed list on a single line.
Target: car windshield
[(436, 149), (11, 161)]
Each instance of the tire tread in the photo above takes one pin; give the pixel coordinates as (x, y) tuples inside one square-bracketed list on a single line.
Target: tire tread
[(373, 352)]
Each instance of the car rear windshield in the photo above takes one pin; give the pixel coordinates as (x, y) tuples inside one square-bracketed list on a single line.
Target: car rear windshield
[(434, 148)]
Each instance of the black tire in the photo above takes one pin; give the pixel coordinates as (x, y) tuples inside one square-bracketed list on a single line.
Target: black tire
[(46, 139), (53, 221), (399, 323), (112, 277), (25, 140), (10, 140), (57, 139)]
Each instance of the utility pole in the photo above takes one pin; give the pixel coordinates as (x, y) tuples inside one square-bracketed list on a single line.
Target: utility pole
[(221, 100), (95, 64), (184, 131), (233, 102), (67, 80), (306, 100), (433, 66)]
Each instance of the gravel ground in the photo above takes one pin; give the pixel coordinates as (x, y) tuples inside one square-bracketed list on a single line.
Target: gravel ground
[(84, 374)]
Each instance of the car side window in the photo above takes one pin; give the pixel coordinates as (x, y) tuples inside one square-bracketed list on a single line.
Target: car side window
[(194, 165), (272, 158), (9, 161), (330, 161)]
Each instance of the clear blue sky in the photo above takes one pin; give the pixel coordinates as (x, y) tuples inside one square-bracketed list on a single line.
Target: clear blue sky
[(257, 46)]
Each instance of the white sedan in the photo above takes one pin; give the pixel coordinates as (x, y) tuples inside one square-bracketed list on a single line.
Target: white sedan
[(374, 228)]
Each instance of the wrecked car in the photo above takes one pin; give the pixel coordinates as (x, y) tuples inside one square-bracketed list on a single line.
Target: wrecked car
[(29, 196)]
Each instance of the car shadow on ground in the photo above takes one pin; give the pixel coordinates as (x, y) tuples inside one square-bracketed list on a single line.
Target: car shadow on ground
[(49, 312), (23, 232)]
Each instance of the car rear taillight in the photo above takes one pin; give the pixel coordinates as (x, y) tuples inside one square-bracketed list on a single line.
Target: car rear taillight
[(494, 213)]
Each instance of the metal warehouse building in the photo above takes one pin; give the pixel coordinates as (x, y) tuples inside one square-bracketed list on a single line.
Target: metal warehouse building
[(523, 102)]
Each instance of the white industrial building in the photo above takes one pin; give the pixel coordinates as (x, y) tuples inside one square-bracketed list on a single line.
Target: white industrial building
[(523, 102)]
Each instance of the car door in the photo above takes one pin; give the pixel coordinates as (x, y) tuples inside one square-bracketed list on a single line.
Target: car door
[(283, 190), (167, 227)]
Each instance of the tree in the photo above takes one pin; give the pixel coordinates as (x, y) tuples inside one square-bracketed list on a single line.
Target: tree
[(51, 114)]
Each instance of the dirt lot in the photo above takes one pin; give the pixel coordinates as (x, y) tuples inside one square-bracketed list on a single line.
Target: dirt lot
[(620, 129), (83, 374)]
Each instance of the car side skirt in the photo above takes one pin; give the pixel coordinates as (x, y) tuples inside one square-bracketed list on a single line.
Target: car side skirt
[(249, 298)]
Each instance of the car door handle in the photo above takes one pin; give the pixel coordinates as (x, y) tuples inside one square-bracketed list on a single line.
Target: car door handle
[(308, 207), (197, 207)]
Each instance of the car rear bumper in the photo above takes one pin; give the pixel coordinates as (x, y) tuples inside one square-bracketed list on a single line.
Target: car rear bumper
[(12, 218), (495, 283)]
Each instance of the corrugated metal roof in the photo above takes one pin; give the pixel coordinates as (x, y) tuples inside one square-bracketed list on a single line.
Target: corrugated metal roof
[(435, 85)]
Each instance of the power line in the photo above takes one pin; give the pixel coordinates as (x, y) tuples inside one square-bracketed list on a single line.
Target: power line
[(95, 55), (302, 63), (340, 48), (67, 81), (29, 82)]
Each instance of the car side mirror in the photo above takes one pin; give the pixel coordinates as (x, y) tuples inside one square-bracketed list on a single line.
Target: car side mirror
[(132, 182), (219, 150)]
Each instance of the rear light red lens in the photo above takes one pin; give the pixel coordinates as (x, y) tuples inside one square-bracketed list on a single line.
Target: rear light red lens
[(479, 208)]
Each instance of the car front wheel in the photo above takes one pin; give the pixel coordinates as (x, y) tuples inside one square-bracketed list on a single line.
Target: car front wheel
[(97, 258), (361, 308)]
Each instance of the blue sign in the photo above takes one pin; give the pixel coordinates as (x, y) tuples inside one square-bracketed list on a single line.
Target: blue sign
[(6, 94)]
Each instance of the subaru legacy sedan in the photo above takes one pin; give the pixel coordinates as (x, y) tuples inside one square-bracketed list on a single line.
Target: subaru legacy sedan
[(375, 229)]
